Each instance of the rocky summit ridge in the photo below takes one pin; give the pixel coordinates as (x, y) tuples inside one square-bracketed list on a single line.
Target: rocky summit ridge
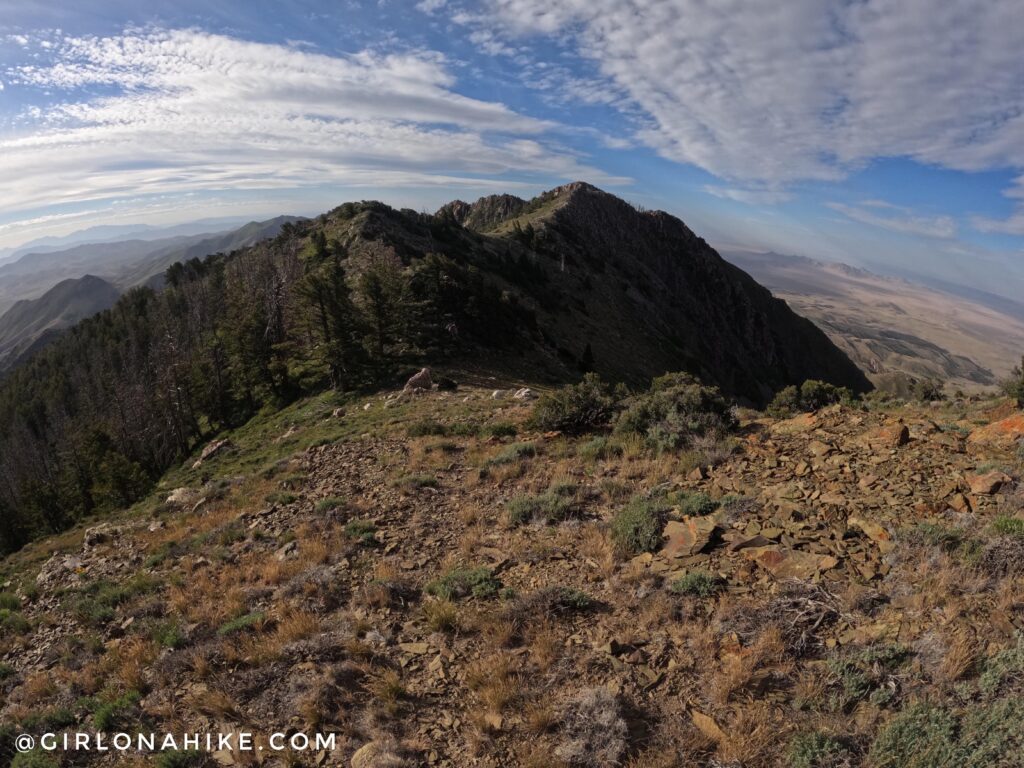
[(365, 569)]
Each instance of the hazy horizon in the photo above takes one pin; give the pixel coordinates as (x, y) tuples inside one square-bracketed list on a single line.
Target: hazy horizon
[(884, 135)]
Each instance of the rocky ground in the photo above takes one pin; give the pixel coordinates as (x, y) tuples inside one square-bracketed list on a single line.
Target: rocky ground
[(438, 585)]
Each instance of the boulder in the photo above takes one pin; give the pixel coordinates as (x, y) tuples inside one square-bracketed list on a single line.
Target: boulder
[(890, 436), (419, 382), (183, 497), (211, 450), (524, 393), (989, 483), (1003, 433)]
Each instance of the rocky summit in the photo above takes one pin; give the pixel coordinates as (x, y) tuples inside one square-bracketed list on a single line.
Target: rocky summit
[(439, 579)]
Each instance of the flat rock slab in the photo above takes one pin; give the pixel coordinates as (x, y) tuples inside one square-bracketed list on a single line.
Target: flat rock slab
[(687, 536), (785, 563)]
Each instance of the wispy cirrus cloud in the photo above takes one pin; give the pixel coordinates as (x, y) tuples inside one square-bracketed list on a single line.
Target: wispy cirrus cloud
[(147, 112), (898, 219), (763, 92)]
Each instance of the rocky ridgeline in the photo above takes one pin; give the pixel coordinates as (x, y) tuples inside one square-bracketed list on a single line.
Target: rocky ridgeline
[(382, 591)]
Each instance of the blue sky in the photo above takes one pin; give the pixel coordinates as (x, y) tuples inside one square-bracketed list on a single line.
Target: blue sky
[(883, 133)]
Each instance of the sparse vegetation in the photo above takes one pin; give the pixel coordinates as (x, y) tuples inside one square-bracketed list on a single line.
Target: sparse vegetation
[(676, 410), (696, 584), (809, 396), (577, 408), (637, 527), (463, 582)]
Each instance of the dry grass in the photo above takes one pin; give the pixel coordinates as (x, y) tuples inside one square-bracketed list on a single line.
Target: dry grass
[(748, 670), (441, 616), (752, 736), (960, 660), (596, 546), (387, 688), (131, 661)]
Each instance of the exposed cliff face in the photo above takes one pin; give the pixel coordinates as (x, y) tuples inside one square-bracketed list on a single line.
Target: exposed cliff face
[(647, 295), (486, 213)]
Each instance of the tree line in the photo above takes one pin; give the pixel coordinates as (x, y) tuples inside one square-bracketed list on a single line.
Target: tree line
[(91, 422)]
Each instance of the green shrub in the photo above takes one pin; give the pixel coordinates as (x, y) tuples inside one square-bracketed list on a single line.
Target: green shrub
[(1013, 386), (513, 453), (695, 503), (13, 623), (360, 530), (96, 603), (241, 623), (37, 758), (9, 602), (1008, 526), (637, 527), (329, 504), (576, 408), (676, 409), (817, 750), (867, 673), (930, 736), (6, 671), (598, 448), (500, 429), (115, 713), (168, 634), (427, 429), (695, 583), (178, 759), (462, 582), (553, 506), (810, 396), (1002, 668)]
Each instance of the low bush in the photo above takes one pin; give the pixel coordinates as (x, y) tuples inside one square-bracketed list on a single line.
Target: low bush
[(676, 410), (577, 408), (553, 506), (636, 528), (1013, 386), (463, 582), (242, 623), (817, 750), (930, 736), (696, 584), (809, 396)]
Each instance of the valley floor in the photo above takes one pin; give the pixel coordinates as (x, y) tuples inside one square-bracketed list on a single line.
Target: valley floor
[(842, 588)]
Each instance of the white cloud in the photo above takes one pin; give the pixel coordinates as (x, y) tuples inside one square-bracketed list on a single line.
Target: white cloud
[(900, 220), (1012, 225), (773, 92), (184, 110), (750, 196)]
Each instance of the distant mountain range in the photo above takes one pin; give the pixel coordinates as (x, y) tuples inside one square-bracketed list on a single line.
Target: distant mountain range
[(892, 327), (72, 290), (111, 233)]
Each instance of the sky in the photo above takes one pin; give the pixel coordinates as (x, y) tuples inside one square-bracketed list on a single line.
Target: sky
[(888, 134)]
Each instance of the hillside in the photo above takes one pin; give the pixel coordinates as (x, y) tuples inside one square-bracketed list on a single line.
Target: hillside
[(648, 296), (577, 279), (125, 263), (892, 326), (361, 566), (30, 324)]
